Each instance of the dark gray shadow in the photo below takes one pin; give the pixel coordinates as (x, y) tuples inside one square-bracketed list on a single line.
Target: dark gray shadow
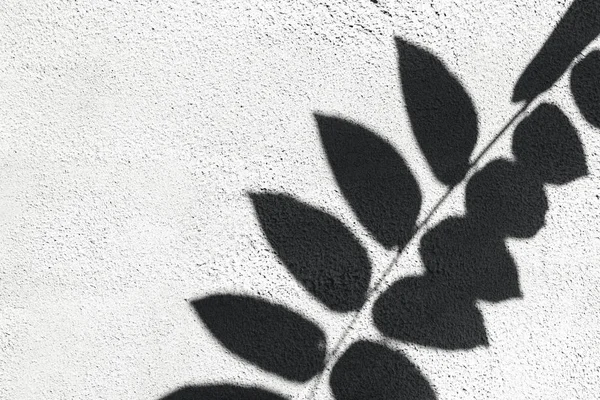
[(268, 335), (577, 28), (441, 112), (321, 253), (374, 179), (548, 146), (221, 392), (506, 199), (425, 311), (585, 86), (466, 258), (371, 371)]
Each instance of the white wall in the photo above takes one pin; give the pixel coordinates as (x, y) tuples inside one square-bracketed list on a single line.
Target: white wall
[(131, 133)]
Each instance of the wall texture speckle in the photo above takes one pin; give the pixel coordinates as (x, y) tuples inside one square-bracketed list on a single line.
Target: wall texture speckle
[(132, 135)]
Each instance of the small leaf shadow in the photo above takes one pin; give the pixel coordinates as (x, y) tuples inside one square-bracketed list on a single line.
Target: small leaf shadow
[(442, 114), (373, 178), (576, 29), (506, 199), (462, 256), (371, 371), (548, 145), (585, 86), (221, 392), (428, 312), (268, 335), (317, 249)]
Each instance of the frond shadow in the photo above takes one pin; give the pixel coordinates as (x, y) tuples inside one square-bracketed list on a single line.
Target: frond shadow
[(465, 258)]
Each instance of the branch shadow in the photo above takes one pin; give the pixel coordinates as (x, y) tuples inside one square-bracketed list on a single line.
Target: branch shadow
[(465, 258)]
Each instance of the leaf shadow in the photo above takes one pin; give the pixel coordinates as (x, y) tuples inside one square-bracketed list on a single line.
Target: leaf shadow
[(374, 179), (425, 311), (576, 29), (369, 370), (585, 86), (221, 392), (548, 146), (466, 258), (441, 112), (269, 335), (321, 253)]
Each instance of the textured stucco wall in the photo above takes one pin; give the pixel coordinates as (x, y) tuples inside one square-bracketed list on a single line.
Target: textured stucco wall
[(132, 132)]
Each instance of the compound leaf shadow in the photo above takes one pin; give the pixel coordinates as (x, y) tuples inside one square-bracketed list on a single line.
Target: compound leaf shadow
[(221, 392), (373, 178), (317, 249), (576, 29), (268, 335), (441, 113)]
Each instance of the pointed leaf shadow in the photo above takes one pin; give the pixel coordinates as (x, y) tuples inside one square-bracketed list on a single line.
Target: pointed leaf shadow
[(585, 85), (221, 392), (373, 178), (371, 371), (268, 335), (317, 249), (442, 115), (463, 254), (576, 29), (548, 146), (429, 312)]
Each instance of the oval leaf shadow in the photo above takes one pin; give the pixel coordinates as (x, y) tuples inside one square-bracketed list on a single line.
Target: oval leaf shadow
[(374, 179), (441, 113), (371, 371), (268, 335), (321, 253), (221, 392)]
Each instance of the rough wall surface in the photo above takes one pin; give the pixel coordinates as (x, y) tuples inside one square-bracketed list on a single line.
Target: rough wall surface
[(132, 132)]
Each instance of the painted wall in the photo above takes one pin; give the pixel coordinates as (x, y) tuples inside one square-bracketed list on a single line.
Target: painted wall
[(133, 134)]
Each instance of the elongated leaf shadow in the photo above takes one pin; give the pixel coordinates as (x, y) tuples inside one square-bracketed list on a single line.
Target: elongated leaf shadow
[(466, 258), (374, 179), (317, 249), (268, 335), (442, 115), (371, 371), (585, 86), (576, 29), (221, 392)]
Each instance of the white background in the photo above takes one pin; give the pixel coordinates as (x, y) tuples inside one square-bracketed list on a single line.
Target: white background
[(131, 132)]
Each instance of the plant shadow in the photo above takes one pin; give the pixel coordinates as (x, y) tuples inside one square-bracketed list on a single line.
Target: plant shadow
[(465, 257)]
